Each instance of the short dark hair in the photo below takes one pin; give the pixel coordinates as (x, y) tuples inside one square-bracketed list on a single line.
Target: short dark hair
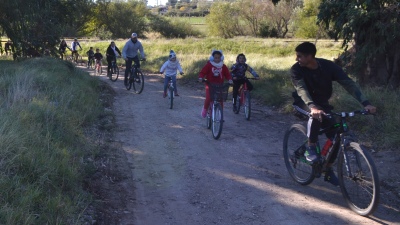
[(216, 52), (307, 48)]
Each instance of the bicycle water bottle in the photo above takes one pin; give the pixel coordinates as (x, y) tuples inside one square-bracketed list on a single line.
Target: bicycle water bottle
[(326, 147)]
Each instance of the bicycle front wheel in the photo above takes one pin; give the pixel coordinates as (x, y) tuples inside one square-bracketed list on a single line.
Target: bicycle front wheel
[(208, 118), (238, 104), (171, 97), (358, 179), (138, 83), (247, 105), (217, 121), (294, 146), (114, 73)]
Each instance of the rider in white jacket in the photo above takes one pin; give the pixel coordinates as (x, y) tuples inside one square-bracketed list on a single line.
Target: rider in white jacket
[(169, 68)]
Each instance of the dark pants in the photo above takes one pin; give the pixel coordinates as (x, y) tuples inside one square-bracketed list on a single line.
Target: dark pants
[(236, 86), (109, 62), (128, 64)]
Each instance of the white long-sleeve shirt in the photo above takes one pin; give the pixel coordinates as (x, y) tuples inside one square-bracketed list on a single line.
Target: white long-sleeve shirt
[(169, 68)]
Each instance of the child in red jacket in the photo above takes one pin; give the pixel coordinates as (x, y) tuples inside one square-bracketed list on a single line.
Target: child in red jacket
[(215, 71)]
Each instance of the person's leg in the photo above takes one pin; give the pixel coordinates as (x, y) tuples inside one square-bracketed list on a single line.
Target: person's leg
[(166, 80), (128, 65), (236, 85), (249, 85), (207, 102), (109, 64)]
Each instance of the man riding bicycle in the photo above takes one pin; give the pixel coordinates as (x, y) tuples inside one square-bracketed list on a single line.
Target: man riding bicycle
[(130, 53), (312, 78), (112, 53), (74, 49)]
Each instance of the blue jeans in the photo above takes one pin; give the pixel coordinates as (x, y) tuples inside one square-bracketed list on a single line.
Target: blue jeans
[(166, 81)]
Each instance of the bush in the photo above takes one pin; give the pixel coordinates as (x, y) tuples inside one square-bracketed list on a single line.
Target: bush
[(172, 29)]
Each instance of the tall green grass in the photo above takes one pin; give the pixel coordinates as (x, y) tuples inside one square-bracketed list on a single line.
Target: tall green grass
[(45, 106)]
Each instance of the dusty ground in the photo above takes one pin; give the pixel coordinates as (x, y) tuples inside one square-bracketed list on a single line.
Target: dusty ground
[(162, 166)]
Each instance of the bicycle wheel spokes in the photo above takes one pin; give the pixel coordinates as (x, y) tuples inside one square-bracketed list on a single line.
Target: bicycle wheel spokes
[(217, 121), (114, 73), (358, 179), (138, 82), (294, 146), (247, 105)]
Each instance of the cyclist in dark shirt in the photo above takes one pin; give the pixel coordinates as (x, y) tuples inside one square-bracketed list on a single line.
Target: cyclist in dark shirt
[(7, 47), (90, 55), (98, 56), (112, 53), (62, 48), (312, 78)]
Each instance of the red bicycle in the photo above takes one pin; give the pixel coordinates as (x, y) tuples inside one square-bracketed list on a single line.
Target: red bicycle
[(244, 99)]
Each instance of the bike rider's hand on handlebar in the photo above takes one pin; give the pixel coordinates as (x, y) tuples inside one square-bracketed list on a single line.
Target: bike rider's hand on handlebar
[(317, 113), (370, 108)]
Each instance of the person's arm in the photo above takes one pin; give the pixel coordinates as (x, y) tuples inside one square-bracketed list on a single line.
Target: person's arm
[(180, 68), (141, 51), (227, 74), (124, 51), (162, 69), (301, 87), (79, 46), (204, 71), (117, 49), (253, 72)]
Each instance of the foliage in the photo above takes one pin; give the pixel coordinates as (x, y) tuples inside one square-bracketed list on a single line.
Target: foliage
[(374, 28), (120, 18), (223, 20), (46, 105), (305, 21), (172, 28), (34, 26)]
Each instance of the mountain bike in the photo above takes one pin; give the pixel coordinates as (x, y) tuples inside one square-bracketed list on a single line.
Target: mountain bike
[(215, 116), (171, 92), (244, 99), (114, 70), (357, 174), (136, 79), (98, 68)]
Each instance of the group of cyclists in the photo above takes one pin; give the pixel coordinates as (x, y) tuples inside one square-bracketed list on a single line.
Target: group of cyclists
[(312, 79)]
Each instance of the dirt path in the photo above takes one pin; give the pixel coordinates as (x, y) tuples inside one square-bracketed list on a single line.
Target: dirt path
[(176, 173)]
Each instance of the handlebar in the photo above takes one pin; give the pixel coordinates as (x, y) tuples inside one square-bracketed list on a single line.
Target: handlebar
[(344, 114)]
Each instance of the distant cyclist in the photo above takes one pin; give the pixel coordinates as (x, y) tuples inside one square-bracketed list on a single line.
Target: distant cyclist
[(7, 47), (74, 49), (90, 55), (112, 53), (238, 71), (130, 53)]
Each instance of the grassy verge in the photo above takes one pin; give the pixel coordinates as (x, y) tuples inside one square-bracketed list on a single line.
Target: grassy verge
[(46, 105), (272, 58)]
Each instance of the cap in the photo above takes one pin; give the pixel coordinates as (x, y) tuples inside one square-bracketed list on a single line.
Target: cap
[(134, 35)]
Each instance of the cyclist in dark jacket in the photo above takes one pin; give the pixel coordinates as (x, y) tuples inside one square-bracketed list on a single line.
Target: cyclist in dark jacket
[(112, 53), (312, 78)]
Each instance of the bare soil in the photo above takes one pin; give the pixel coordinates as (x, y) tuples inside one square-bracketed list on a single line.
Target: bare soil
[(162, 166)]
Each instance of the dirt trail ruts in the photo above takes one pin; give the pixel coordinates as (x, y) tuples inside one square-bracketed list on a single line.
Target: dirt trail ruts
[(178, 174)]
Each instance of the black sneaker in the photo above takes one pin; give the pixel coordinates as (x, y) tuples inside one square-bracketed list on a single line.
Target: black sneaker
[(234, 108), (311, 154), (331, 177)]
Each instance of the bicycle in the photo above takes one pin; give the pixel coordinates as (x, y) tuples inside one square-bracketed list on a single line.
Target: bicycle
[(136, 79), (215, 116), (357, 174), (98, 68), (244, 99), (114, 70)]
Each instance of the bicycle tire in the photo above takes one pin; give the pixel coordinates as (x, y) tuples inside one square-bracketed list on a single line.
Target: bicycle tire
[(247, 105), (238, 104), (114, 73), (217, 121), (294, 146), (171, 97), (361, 188), (208, 118), (138, 85)]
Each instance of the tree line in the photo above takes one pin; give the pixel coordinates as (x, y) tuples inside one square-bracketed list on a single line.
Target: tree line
[(370, 30)]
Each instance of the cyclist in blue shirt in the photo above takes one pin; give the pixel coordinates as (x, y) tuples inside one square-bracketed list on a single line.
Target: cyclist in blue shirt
[(130, 54)]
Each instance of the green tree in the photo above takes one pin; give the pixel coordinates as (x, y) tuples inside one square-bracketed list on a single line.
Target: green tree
[(120, 18), (305, 20), (36, 25), (373, 27), (224, 20), (253, 13)]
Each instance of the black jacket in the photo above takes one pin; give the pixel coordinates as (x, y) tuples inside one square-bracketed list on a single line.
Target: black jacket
[(110, 52)]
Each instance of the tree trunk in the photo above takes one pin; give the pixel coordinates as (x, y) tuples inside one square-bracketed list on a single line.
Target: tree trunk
[(382, 70)]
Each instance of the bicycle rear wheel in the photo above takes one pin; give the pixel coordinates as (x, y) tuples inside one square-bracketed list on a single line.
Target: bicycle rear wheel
[(138, 82), (208, 118), (217, 121), (360, 183), (171, 97), (114, 73), (247, 105), (294, 146)]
